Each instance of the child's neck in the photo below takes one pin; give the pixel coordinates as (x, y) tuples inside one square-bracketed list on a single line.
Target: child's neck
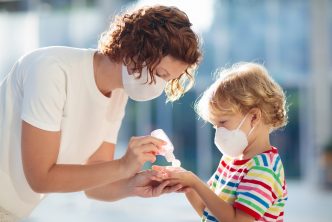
[(259, 145)]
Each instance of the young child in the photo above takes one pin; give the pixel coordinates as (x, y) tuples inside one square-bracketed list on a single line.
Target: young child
[(244, 105)]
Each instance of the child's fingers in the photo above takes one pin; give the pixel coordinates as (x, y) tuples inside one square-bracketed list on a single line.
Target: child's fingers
[(158, 168), (174, 169), (162, 173), (153, 175), (156, 178)]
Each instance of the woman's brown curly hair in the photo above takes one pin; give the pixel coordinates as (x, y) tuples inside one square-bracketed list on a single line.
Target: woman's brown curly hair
[(146, 35)]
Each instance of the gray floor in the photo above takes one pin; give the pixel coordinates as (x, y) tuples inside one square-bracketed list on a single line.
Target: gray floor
[(304, 205)]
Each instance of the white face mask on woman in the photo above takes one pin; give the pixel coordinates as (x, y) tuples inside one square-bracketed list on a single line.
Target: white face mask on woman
[(231, 143), (141, 89)]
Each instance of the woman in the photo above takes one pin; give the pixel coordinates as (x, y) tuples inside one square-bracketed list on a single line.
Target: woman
[(61, 110)]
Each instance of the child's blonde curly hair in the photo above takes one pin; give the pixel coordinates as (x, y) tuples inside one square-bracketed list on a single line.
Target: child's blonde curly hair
[(239, 89)]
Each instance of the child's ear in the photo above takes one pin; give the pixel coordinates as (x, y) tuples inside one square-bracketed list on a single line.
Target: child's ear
[(256, 116)]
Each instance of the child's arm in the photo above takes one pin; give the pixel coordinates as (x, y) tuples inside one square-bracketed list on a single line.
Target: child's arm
[(191, 194), (195, 201), (219, 208)]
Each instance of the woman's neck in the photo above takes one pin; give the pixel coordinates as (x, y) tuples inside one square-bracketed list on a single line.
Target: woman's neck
[(107, 74)]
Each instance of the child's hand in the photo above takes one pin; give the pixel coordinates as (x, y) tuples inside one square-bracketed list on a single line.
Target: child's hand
[(177, 175), (150, 184)]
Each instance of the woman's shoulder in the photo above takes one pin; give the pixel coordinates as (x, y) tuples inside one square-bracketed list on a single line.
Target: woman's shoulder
[(53, 52)]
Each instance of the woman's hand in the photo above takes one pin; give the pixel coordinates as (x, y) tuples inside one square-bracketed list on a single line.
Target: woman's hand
[(140, 150), (150, 183)]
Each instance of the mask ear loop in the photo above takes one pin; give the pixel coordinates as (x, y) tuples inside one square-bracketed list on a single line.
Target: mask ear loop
[(242, 121), (252, 129)]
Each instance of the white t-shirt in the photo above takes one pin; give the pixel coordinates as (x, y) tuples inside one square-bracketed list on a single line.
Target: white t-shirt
[(53, 89)]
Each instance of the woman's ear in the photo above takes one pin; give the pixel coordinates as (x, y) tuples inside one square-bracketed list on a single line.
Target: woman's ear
[(256, 116)]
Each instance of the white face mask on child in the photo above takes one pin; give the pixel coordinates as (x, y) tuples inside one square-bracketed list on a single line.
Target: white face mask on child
[(140, 89), (231, 143)]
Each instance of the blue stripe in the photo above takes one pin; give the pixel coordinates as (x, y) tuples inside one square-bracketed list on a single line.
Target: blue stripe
[(216, 177), (276, 163), (209, 217), (231, 184), (264, 160), (255, 198)]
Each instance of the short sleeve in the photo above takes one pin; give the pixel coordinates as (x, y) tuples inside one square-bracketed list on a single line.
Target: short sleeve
[(212, 182), (44, 95), (115, 114), (112, 135), (257, 191)]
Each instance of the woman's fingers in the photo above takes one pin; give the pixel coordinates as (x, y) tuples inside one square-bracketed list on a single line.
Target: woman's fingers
[(138, 141), (158, 190), (173, 182), (148, 148), (174, 188), (183, 190)]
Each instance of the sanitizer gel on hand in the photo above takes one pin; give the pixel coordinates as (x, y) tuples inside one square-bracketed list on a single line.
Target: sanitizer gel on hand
[(168, 149)]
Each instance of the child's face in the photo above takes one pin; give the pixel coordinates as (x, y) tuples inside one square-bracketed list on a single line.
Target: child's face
[(232, 121)]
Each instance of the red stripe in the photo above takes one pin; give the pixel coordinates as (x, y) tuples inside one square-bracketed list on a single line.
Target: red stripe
[(261, 184), (228, 167), (270, 216), (247, 210), (240, 162), (281, 214), (271, 151)]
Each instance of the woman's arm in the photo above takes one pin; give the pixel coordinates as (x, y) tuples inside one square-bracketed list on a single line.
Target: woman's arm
[(40, 151), (109, 192), (144, 184)]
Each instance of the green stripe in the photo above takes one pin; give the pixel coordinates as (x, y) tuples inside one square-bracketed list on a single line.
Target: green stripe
[(214, 184), (256, 160), (232, 192), (279, 167), (268, 171), (280, 204), (247, 202)]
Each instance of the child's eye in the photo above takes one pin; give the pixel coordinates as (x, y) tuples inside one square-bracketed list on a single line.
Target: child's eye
[(222, 122)]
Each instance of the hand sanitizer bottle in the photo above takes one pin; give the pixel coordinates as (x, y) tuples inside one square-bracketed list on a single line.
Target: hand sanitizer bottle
[(168, 148)]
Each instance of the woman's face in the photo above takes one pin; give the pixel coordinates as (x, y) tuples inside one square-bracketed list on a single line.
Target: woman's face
[(170, 68)]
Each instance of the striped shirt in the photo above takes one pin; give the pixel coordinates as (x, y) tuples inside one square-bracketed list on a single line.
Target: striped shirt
[(256, 186)]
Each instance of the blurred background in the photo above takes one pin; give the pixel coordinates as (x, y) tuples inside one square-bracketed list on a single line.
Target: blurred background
[(292, 38)]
